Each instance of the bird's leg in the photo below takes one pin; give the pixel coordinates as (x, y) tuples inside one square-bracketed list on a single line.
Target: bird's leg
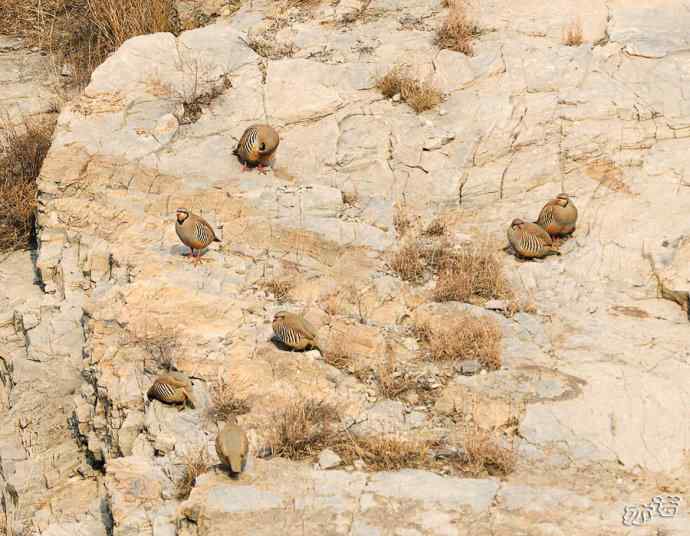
[(244, 167), (261, 168)]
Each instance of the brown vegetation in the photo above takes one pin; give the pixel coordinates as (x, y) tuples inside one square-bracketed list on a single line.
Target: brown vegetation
[(408, 262), (384, 453), (21, 156), (225, 403), (483, 452), (303, 429), (81, 33), (279, 288), (195, 465), (266, 46), (472, 271), (419, 95), (466, 337), (572, 34), (435, 228), (162, 344), (458, 30)]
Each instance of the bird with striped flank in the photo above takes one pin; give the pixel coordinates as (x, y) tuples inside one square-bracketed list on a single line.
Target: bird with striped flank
[(232, 446), (172, 388), (294, 331), (529, 240), (558, 217), (257, 147), (194, 232)]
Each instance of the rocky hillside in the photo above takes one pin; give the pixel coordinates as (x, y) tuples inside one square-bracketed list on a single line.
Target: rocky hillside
[(574, 402)]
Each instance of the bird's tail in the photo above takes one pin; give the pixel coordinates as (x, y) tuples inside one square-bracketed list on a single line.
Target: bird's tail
[(552, 252), (190, 399), (216, 239), (234, 151)]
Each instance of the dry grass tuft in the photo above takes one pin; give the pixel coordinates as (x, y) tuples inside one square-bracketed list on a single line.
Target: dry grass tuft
[(572, 34), (401, 221), (467, 337), (303, 429), (473, 271), (279, 288), (21, 157), (337, 354), (419, 95), (225, 403), (408, 262), (435, 229), (391, 380), (384, 453), (483, 452), (195, 465), (458, 30), (162, 344), (81, 33), (266, 46)]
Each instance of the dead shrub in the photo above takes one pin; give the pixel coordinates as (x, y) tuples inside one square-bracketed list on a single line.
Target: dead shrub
[(279, 288), (420, 96), (484, 453), (337, 354), (162, 344), (266, 46), (391, 380), (303, 429), (225, 403), (435, 228), (408, 262), (467, 337), (195, 465), (401, 221), (384, 453), (22, 152), (472, 271), (81, 33), (458, 30), (572, 34)]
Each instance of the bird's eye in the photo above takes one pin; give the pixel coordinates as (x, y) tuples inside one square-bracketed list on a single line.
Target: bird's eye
[(262, 147)]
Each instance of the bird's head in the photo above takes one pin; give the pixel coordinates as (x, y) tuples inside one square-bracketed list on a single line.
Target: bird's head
[(517, 223), (280, 315), (562, 200), (182, 215)]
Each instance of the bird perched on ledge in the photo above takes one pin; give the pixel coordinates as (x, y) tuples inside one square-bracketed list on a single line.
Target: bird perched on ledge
[(232, 446), (529, 240), (194, 232), (172, 388), (558, 217), (294, 331), (257, 147)]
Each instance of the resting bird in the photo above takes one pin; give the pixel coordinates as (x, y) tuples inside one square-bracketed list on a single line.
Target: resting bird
[(558, 217), (257, 147), (294, 331), (232, 446), (172, 388), (529, 240), (194, 232)]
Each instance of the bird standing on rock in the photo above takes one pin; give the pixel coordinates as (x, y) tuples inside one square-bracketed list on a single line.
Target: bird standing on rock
[(294, 331), (257, 146), (558, 217), (232, 446), (194, 232), (172, 388), (529, 240)]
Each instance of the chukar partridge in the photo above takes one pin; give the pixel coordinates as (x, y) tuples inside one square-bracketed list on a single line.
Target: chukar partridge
[(529, 240), (558, 217), (232, 446), (257, 147), (194, 232), (172, 388), (294, 331)]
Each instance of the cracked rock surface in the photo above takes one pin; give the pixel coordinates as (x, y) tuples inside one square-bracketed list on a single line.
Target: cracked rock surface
[(595, 379)]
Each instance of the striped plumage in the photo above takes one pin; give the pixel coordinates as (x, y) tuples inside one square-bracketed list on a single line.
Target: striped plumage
[(257, 146), (529, 240), (294, 331), (194, 232), (232, 447), (558, 217), (172, 388)]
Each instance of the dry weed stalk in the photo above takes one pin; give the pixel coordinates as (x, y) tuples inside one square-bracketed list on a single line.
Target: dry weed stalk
[(225, 403), (472, 271), (303, 429), (279, 288), (484, 453), (458, 30), (408, 262), (420, 96), (467, 337), (572, 34), (195, 465), (22, 152), (81, 33)]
